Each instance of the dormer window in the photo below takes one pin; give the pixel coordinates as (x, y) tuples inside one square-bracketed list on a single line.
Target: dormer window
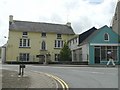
[(25, 33), (106, 37), (59, 36), (43, 34)]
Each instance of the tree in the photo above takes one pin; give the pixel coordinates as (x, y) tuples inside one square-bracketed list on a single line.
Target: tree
[(65, 53)]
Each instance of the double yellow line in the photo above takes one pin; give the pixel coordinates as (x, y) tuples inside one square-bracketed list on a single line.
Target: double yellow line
[(62, 83)]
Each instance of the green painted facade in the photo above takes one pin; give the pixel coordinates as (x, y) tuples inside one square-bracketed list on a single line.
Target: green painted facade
[(97, 40)]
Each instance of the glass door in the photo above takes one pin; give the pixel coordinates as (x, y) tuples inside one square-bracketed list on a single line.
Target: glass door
[(97, 55)]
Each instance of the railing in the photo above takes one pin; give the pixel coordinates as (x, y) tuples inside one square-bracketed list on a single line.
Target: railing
[(32, 59)]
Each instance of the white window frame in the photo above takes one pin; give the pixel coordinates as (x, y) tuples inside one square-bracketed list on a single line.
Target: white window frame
[(107, 36), (24, 59), (43, 34), (57, 43), (42, 46), (27, 43), (25, 34), (59, 36)]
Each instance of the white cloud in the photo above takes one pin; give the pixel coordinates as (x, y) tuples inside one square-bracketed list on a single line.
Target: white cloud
[(83, 14)]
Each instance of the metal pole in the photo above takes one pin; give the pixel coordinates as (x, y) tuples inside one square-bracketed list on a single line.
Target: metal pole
[(19, 70), (45, 60), (22, 71)]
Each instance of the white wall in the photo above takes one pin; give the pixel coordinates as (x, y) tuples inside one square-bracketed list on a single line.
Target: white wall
[(85, 52), (3, 53)]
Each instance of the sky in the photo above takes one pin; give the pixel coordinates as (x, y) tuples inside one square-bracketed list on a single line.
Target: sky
[(83, 14)]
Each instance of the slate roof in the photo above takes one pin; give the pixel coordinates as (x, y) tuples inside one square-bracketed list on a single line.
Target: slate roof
[(93, 34), (85, 35), (40, 27)]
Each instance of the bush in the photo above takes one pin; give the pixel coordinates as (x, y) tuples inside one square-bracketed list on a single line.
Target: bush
[(65, 53)]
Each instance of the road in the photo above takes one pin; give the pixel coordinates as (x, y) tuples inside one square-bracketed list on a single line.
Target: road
[(78, 77)]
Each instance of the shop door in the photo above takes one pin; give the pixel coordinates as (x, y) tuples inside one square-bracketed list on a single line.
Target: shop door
[(97, 55)]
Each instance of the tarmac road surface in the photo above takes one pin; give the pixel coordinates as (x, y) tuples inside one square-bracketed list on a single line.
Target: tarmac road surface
[(79, 77)]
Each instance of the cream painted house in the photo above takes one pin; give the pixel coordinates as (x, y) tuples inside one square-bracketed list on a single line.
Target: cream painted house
[(35, 41)]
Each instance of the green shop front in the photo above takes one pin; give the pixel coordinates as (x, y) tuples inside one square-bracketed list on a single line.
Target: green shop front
[(103, 41)]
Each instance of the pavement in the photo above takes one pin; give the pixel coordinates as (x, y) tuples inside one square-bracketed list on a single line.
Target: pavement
[(70, 65), (30, 80)]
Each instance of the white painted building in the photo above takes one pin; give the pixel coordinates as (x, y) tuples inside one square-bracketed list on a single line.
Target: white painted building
[(80, 52), (3, 54)]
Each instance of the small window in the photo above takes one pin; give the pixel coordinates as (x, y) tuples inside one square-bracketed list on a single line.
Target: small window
[(106, 37), (43, 35), (25, 33), (58, 36)]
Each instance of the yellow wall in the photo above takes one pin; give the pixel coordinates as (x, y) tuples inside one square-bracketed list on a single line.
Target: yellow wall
[(13, 49)]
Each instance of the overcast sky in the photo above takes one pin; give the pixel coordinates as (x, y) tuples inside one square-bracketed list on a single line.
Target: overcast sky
[(83, 14)]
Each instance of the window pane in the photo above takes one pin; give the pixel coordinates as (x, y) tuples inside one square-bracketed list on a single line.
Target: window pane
[(58, 43), (43, 45), (24, 57), (57, 57), (27, 57), (28, 44), (24, 33), (58, 35), (109, 47), (106, 37), (43, 34), (103, 47), (114, 47), (115, 54), (103, 54), (24, 42), (55, 43), (20, 42), (61, 43)]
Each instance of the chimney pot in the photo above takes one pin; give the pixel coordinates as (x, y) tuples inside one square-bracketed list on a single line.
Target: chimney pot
[(11, 18), (68, 24)]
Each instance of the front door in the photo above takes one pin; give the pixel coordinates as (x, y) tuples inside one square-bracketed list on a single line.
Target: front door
[(97, 55)]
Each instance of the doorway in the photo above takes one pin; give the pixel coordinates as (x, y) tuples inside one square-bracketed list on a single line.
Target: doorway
[(97, 55)]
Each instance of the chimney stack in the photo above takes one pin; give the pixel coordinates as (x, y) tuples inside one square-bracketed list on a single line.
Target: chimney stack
[(11, 19), (68, 24)]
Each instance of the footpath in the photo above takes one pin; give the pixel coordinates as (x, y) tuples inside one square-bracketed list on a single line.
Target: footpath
[(30, 81)]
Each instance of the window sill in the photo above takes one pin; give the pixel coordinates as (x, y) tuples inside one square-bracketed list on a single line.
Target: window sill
[(106, 40), (25, 47), (59, 38), (44, 36), (24, 36), (43, 50), (57, 47)]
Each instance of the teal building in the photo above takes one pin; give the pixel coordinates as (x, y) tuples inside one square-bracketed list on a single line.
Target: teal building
[(100, 43)]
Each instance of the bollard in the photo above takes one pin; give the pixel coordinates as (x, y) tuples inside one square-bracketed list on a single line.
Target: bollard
[(21, 69)]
